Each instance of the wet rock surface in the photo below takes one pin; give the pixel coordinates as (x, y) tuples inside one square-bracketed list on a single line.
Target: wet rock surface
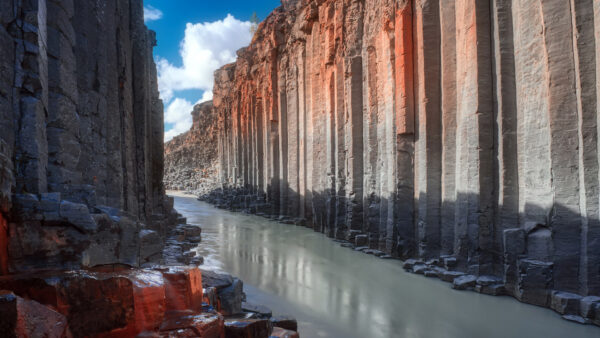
[(26, 318), (117, 301)]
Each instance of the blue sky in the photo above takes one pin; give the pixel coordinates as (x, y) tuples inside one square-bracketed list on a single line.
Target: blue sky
[(195, 37)]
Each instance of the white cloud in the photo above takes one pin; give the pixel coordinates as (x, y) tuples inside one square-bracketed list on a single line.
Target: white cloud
[(179, 114), (205, 47), (152, 14), (206, 96)]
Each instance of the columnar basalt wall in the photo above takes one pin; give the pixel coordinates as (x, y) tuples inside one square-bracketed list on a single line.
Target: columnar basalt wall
[(191, 158), (462, 130), (81, 142)]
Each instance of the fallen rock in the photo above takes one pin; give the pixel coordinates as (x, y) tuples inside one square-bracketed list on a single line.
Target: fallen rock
[(231, 298), (587, 306), (565, 303), (534, 282), (183, 289), (189, 324), (285, 322), (492, 290), (420, 269), (449, 276), (261, 310), (27, 318), (247, 328), (488, 280), (464, 282), (279, 332), (216, 280)]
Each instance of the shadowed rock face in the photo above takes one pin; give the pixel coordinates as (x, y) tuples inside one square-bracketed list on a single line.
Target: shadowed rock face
[(81, 141), (191, 158), (464, 130)]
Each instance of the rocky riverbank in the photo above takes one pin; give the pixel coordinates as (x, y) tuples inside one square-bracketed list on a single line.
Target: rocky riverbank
[(571, 306)]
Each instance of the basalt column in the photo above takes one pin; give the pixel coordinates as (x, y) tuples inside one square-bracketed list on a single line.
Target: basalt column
[(460, 132), (81, 143)]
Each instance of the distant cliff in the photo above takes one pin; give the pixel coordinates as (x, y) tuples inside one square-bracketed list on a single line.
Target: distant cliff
[(463, 132), (81, 142), (191, 158)]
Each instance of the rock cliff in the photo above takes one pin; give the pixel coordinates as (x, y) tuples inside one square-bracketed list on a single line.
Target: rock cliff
[(81, 151), (191, 158), (90, 245), (462, 133)]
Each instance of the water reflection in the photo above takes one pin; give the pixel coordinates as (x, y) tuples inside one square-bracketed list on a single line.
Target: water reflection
[(335, 292)]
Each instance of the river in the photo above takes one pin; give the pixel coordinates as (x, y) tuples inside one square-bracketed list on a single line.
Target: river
[(336, 292)]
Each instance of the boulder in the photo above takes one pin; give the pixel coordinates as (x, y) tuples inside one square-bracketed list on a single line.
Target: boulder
[(215, 279), (285, 322), (183, 288), (464, 282), (261, 310), (27, 318), (587, 306), (231, 298), (247, 328), (534, 282), (565, 303), (449, 276), (279, 332), (190, 324)]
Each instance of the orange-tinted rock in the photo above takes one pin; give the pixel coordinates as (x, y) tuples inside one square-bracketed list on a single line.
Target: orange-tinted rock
[(189, 324), (183, 288), (149, 300), (116, 301), (97, 303), (27, 318)]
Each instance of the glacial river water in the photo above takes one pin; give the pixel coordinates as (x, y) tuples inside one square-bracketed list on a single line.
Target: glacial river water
[(336, 292)]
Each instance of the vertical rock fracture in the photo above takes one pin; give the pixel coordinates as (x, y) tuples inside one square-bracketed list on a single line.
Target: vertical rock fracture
[(459, 133)]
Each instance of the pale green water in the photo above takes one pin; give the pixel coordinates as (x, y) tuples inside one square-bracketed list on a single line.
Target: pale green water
[(336, 292)]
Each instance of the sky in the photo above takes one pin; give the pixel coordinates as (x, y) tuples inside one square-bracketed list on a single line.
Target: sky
[(195, 38)]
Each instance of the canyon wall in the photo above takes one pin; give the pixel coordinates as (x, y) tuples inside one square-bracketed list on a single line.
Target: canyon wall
[(191, 158), (464, 131), (81, 147)]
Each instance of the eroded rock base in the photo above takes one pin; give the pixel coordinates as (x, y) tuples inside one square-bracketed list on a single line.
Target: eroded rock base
[(117, 301)]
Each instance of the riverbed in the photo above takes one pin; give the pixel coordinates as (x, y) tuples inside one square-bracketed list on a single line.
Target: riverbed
[(337, 292)]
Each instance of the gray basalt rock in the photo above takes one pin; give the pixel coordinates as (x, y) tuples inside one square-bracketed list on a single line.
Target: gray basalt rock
[(81, 136), (429, 128), (565, 303), (588, 306), (231, 297), (261, 310), (464, 282), (535, 282), (78, 215)]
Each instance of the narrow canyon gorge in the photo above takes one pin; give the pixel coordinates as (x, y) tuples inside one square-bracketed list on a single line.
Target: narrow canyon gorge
[(459, 136), (454, 139)]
